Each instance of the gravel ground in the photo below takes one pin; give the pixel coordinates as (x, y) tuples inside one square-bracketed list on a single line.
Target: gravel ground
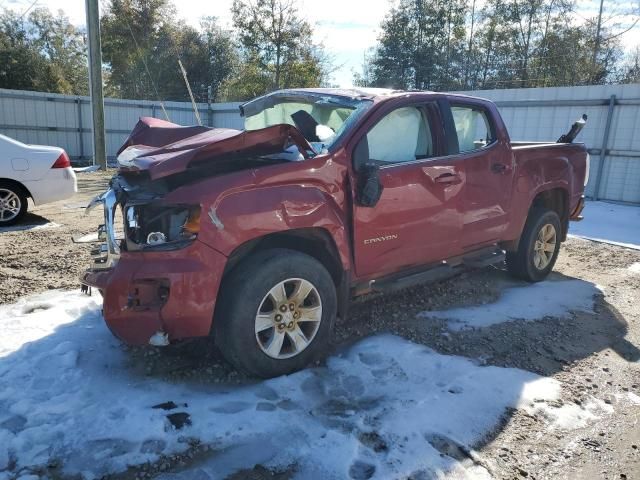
[(593, 355)]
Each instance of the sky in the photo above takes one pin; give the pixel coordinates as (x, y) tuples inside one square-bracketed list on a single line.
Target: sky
[(345, 27)]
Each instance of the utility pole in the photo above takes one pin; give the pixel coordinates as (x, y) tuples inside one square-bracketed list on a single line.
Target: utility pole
[(95, 83), (596, 48)]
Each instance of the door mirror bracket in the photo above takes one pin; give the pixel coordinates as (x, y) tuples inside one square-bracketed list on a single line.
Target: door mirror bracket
[(369, 187)]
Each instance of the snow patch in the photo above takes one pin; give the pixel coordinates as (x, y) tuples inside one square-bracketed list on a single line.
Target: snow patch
[(634, 267), (610, 223), (386, 405), (20, 228), (552, 298), (630, 397), (571, 416), (38, 316), (89, 169)]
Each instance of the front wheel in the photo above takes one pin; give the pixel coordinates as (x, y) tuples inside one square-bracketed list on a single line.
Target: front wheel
[(539, 246), (275, 313)]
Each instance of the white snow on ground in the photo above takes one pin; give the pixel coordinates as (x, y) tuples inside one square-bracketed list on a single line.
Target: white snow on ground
[(553, 298), (610, 223), (89, 169), (67, 393), (40, 226), (634, 267)]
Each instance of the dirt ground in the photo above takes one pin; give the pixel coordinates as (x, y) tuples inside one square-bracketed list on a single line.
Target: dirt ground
[(592, 355)]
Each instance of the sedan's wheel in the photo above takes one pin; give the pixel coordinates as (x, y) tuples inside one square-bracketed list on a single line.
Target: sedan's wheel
[(13, 204), (538, 248), (275, 312), (288, 318)]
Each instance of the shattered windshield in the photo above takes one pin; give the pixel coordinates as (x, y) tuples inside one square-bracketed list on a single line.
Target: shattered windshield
[(322, 119)]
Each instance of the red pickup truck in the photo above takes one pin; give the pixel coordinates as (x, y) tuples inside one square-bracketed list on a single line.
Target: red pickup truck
[(261, 237)]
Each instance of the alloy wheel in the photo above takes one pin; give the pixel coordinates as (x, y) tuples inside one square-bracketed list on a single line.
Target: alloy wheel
[(10, 205), (544, 246), (288, 318)]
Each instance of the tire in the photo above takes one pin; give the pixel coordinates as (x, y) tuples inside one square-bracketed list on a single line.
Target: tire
[(249, 318), (13, 204), (535, 258)]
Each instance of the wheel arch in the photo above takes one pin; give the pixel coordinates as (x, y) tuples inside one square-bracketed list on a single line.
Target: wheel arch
[(18, 185), (316, 242), (555, 198)]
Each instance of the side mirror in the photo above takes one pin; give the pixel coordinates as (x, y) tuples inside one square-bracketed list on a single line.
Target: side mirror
[(369, 187)]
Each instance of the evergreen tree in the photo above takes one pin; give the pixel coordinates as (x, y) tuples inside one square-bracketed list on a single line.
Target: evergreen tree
[(142, 41), (42, 52), (277, 49), (422, 46)]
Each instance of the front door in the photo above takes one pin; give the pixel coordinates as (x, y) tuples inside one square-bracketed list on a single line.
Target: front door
[(417, 220)]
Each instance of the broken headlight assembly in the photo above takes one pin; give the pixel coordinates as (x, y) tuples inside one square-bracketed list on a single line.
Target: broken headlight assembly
[(160, 227)]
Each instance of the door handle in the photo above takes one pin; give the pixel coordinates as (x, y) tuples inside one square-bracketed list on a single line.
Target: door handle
[(448, 179), (498, 168)]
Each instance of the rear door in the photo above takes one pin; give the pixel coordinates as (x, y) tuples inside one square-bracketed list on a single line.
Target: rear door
[(417, 219), (488, 163)]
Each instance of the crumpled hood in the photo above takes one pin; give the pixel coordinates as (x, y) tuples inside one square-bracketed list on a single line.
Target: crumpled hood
[(164, 148)]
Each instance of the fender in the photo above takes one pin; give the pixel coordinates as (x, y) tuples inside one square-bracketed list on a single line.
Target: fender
[(247, 215), (537, 174), (311, 196)]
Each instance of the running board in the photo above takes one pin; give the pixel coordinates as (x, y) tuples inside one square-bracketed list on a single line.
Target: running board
[(394, 283), (445, 269), (484, 259)]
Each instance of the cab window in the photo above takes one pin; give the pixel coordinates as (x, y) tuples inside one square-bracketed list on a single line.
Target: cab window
[(472, 127), (401, 136)]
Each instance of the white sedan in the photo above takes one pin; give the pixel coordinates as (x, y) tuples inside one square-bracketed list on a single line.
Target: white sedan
[(37, 171)]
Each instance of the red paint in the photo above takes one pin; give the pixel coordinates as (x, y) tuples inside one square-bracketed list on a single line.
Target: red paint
[(430, 210), (190, 145)]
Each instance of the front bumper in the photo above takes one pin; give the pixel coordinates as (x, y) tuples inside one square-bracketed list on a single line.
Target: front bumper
[(146, 292), (170, 292)]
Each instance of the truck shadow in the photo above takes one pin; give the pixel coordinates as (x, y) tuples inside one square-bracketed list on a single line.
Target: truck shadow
[(543, 346), (546, 346)]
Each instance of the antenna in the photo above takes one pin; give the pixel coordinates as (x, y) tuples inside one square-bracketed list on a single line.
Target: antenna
[(193, 102)]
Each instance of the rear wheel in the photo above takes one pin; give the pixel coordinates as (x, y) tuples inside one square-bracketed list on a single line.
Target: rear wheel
[(275, 313), (538, 248), (13, 204)]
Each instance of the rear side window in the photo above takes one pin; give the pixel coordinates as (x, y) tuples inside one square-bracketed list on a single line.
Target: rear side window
[(473, 128), (401, 136)]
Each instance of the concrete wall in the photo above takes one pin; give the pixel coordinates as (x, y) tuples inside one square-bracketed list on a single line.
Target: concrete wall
[(531, 114)]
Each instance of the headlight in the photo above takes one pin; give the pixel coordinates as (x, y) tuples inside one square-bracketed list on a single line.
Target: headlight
[(161, 227)]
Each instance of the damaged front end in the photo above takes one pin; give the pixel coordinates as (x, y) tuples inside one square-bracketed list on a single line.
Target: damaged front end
[(160, 156), (158, 272), (136, 219), (159, 280), (154, 274)]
